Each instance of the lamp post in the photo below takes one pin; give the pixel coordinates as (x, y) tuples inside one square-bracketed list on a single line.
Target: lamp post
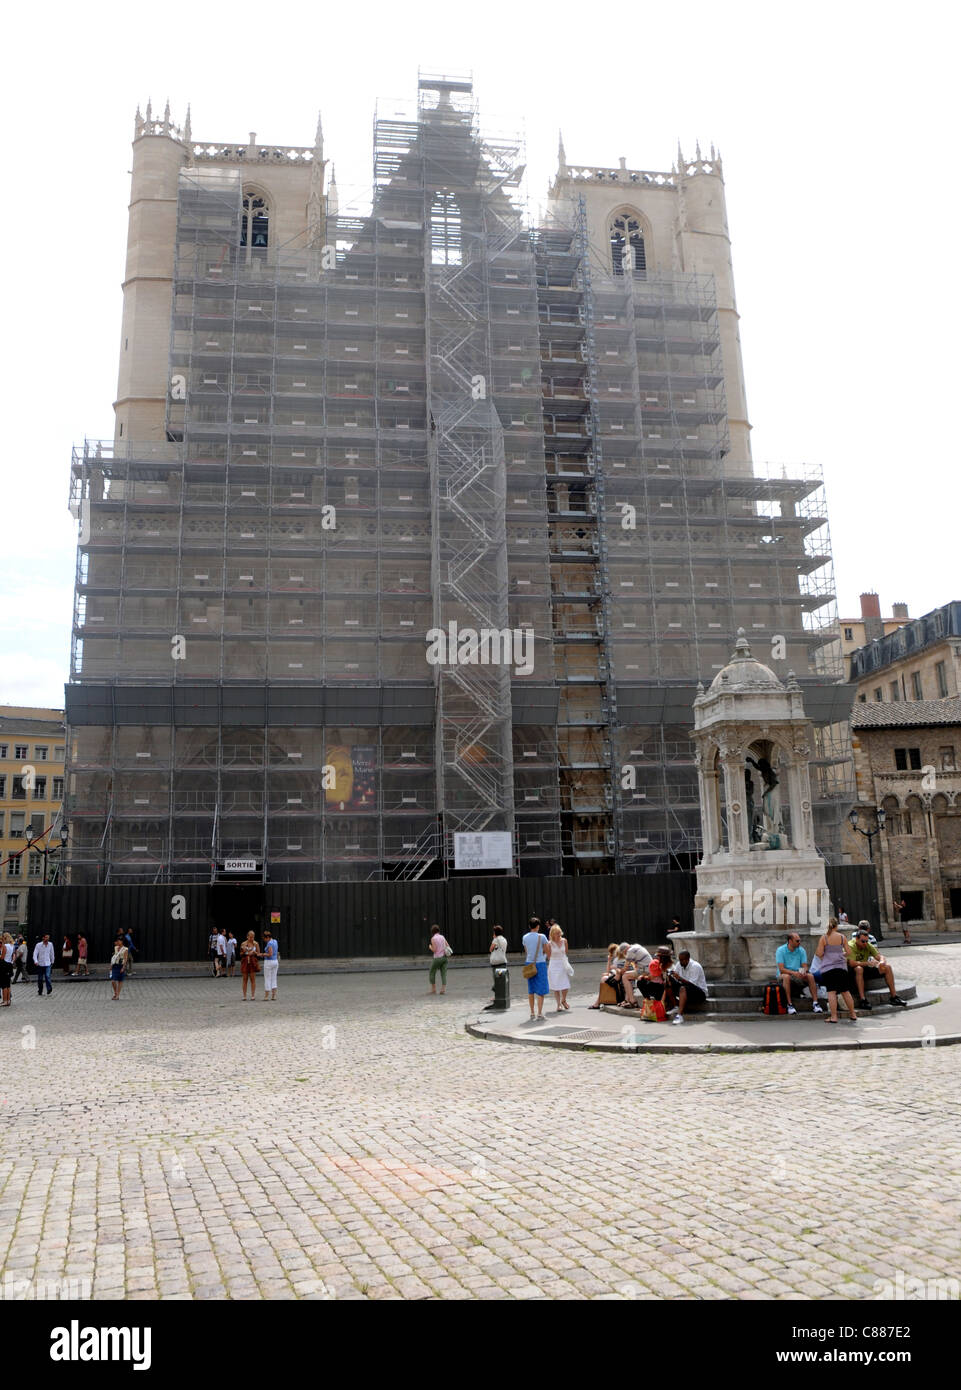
[(869, 834), (33, 843)]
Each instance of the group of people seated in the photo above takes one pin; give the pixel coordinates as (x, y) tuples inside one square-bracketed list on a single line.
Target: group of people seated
[(839, 966), (680, 985)]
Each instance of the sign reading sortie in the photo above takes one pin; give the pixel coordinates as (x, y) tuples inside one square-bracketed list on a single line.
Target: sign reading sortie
[(240, 866), (488, 849)]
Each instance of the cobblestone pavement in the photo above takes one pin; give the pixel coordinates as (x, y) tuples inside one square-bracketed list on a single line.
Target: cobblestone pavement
[(351, 1141)]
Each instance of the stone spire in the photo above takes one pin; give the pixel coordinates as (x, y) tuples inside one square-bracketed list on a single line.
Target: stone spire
[(167, 113), (188, 136), (316, 222), (332, 203), (561, 156), (680, 158)]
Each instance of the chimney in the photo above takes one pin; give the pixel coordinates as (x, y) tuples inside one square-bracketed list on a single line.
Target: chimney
[(870, 606), (900, 611)]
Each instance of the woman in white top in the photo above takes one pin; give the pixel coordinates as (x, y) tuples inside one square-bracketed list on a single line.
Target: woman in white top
[(558, 973), (7, 952), (498, 950)]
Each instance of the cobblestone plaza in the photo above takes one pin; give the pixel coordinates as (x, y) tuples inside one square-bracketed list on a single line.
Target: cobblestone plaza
[(351, 1141)]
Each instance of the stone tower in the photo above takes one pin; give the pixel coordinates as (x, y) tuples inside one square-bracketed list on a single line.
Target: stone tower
[(287, 180), (681, 225)]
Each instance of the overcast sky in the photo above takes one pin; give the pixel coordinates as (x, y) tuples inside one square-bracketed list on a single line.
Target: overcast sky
[(839, 138)]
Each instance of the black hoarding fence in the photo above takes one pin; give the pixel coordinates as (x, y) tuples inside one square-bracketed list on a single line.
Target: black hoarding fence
[(854, 890), (340, 920), (337, 920)]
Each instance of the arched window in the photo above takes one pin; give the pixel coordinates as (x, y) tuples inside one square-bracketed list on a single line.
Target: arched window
[(628, 254), (254, 225)]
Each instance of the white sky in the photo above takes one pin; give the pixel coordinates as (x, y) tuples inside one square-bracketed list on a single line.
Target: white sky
[(838, 134)]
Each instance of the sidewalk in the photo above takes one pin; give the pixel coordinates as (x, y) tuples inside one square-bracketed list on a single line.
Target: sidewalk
[(346, 965), (933, 1019)]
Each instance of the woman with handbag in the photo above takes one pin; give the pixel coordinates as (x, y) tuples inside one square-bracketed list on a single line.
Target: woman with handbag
[(559, 968), (249, 954), (535, 966), (119, 963), (441, 952), (497, 951)]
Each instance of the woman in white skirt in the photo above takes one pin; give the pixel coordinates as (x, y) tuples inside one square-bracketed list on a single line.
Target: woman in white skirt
[(559, 970)]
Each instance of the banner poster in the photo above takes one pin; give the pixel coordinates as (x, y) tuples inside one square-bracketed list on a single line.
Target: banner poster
[(354, 786)]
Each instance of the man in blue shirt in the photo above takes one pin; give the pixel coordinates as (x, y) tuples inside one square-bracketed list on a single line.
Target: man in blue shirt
[(792, 969), (535, 954), (271, 962)]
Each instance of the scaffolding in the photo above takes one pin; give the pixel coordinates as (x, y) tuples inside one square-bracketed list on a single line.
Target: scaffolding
[(454, 419)]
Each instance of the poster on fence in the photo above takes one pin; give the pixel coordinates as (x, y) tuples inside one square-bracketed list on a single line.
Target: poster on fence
[(488, 849)]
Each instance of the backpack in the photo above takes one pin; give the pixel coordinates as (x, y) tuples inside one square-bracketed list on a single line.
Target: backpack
[(773, 1000)]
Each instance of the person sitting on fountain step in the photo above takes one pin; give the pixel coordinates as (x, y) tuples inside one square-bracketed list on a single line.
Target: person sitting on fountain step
[(690, 982), (654, 982), (616, 964), (869, 964), (792, 968), (638, 961)]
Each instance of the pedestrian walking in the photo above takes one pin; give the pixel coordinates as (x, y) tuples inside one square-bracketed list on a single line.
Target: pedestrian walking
[(131, 950), (900, 907), (66, 956), (559, 968), (441, 952), (836, 959), (231, 952), (20, 961), (212, 950), (82, 956), (497, 951), (249, 955), (7, 953), (535, 948), (43, 954), (119, 966), (271, 955), (221, 962)]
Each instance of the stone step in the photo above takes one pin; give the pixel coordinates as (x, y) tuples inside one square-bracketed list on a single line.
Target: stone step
[(727, 1000)]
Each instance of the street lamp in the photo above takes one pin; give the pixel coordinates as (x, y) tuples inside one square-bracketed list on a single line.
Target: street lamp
[(880, 816), (33, 843)]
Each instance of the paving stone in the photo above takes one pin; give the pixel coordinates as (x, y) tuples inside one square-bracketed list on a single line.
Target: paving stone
[(419, 1163)]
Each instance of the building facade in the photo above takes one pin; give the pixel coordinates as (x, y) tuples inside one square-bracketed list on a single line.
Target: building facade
[(906, 756), (869, 626), (32, 751), (919, 660), (420, 520)]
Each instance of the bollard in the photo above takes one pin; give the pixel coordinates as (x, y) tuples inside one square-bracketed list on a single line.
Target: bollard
[(502, 988)]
